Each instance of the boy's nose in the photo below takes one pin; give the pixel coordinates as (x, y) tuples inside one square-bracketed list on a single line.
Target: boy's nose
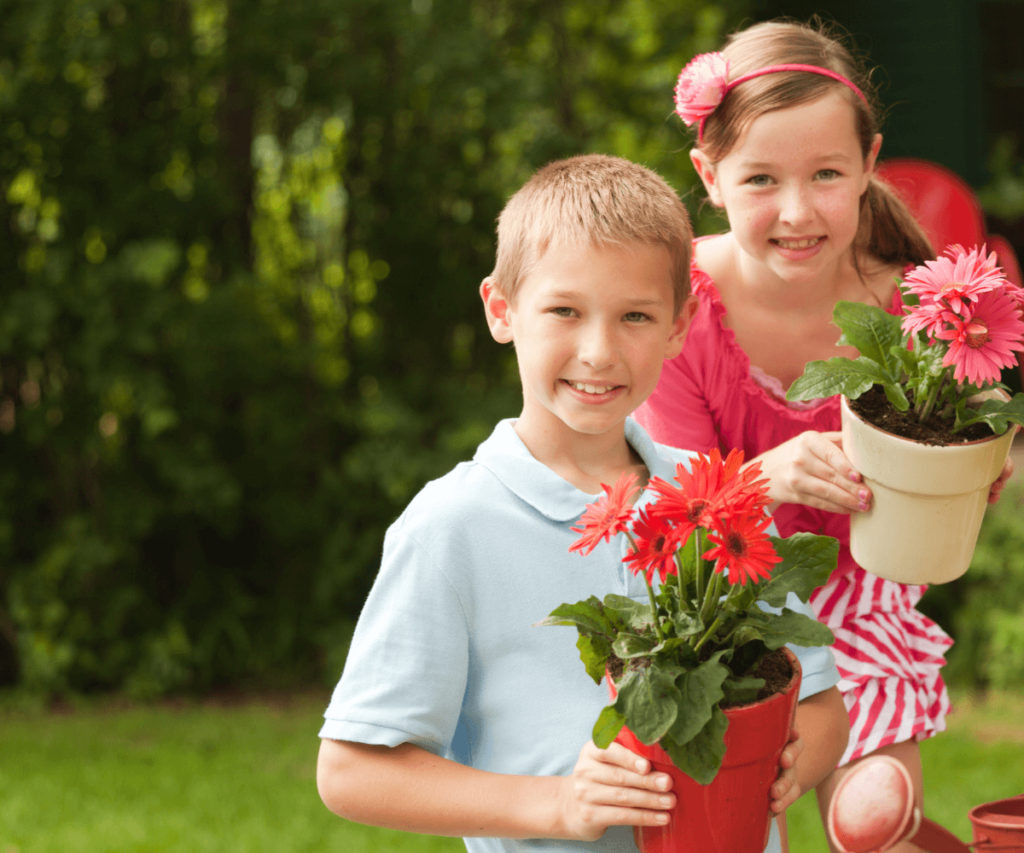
[(596, 347)]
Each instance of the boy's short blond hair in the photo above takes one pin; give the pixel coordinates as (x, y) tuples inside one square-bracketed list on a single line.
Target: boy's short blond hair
[(592, 199)]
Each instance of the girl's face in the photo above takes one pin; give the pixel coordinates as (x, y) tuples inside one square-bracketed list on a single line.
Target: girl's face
[(791, 187)]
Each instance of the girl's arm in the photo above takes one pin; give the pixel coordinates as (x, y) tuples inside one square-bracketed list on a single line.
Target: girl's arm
[(410, 789)]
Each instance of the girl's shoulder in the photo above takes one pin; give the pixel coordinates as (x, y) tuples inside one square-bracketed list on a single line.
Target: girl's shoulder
[(712, 262), (880, 279)]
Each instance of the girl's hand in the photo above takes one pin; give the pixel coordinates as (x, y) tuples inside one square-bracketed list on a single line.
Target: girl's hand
[(786, 789), (613, 787), (997, 486), (811, 469)]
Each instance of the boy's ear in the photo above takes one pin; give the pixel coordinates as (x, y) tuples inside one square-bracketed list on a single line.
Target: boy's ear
[(708, 175), (681, 326), (497, 310)]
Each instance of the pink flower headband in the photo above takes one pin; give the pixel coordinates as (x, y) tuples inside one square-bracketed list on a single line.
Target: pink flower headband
[(704, 82)]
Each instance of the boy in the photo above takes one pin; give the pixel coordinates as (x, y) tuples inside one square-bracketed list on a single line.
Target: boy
[(454, 716)]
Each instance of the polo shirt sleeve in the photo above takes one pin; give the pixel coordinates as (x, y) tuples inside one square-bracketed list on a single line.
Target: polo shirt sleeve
[(405, 675)]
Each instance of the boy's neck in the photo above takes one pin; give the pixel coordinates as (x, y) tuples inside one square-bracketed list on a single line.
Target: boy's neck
[(586, 461)]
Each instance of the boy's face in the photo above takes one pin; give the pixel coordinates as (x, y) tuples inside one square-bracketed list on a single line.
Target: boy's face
[(592, 327)]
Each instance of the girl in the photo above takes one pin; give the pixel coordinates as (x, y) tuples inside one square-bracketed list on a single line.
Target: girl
[(787, 142)]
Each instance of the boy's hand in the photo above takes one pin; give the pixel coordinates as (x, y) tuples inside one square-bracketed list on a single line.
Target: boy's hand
[(613, 787), (786, 789)]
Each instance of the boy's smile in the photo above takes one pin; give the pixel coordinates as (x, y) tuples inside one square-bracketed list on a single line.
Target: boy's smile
[(592, 327)]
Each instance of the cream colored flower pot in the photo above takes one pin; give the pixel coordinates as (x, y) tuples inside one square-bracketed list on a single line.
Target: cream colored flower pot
[(928, 501)]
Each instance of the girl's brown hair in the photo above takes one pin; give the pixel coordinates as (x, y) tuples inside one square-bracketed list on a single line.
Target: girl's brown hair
[(888, 230)]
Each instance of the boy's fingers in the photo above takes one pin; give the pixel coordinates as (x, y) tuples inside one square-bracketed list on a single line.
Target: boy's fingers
[(632, 770)]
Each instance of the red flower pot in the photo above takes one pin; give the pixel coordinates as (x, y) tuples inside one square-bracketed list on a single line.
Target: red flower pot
[(731, 814)]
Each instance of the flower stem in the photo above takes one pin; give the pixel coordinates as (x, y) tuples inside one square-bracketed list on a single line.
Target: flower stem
[(654, 610), (700, 567), (710, 632), (924, 412)]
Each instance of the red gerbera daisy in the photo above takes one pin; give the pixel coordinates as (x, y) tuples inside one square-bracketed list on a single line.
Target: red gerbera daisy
[(609, 515), (742, 548), (710, 485), (656, 542)]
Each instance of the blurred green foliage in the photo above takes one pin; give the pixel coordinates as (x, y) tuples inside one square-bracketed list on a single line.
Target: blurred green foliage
[(238, 323), (984, 610)]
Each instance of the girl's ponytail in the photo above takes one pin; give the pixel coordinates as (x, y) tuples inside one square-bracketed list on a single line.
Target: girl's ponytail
[(888, 230)]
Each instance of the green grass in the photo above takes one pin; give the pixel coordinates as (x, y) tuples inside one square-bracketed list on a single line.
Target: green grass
[(204, 777)]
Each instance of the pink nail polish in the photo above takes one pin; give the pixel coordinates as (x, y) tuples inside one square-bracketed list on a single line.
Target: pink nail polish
[(864, 507), (863, 495), (855, 476)]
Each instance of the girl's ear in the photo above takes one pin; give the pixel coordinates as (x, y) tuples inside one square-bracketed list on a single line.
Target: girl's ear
[(497, 310), (708, 175), (869, 161)]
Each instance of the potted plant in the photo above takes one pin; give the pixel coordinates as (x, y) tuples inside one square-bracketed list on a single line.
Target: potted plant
[(925, 419), (699, 680)]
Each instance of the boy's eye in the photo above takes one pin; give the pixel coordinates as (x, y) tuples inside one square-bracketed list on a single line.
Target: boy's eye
[(636, 317), (759, 180), (828, 174)]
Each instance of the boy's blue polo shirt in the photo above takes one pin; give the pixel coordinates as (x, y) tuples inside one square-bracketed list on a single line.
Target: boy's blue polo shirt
[(445, 655)]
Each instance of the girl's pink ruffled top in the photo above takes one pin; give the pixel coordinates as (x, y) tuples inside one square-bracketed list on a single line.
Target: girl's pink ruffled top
[(711, 396)]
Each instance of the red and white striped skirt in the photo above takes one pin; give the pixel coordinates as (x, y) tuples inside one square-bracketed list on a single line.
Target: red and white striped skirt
[(889, 657)]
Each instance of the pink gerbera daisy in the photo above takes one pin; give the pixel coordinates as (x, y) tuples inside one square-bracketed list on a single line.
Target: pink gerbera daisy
[(957, 279), (742, 548), (609, 515), (983, 339), (656, 541)]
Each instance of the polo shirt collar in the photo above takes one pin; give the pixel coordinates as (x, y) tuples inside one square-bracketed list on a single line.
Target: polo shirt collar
[(505, 456)]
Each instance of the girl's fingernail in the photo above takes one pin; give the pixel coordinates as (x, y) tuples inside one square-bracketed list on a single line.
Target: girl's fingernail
[(855, 476), (864, 507), (863, 495)]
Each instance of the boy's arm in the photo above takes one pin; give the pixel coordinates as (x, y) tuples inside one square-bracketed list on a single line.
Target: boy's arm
[(407, 788), (822, 730)]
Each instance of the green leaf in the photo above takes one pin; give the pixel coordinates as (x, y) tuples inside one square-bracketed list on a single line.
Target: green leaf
[(594, 652), (837, 376), (741, 691), (628, 646), (807, 561), (608, 724), (777, 629), (588, 616), (650, 702), (701, 757), (633, 613), (872, 330), (700, 691), (998, 414), (896, 396), (687, 624)]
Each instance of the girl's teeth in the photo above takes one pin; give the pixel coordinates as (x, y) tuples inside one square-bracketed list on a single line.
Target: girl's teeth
[(592, 389), (797, 244)]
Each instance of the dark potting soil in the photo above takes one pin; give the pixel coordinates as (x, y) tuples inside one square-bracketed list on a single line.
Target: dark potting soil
[(874, 407)]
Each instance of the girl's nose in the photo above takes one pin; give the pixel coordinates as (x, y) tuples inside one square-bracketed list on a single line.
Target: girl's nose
[(796, 206)]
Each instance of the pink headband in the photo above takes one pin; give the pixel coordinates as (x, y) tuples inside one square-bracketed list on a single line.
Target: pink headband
[(704, 82)]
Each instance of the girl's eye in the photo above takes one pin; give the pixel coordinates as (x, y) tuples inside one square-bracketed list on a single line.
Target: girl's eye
[(562, 312), (759, 180)]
